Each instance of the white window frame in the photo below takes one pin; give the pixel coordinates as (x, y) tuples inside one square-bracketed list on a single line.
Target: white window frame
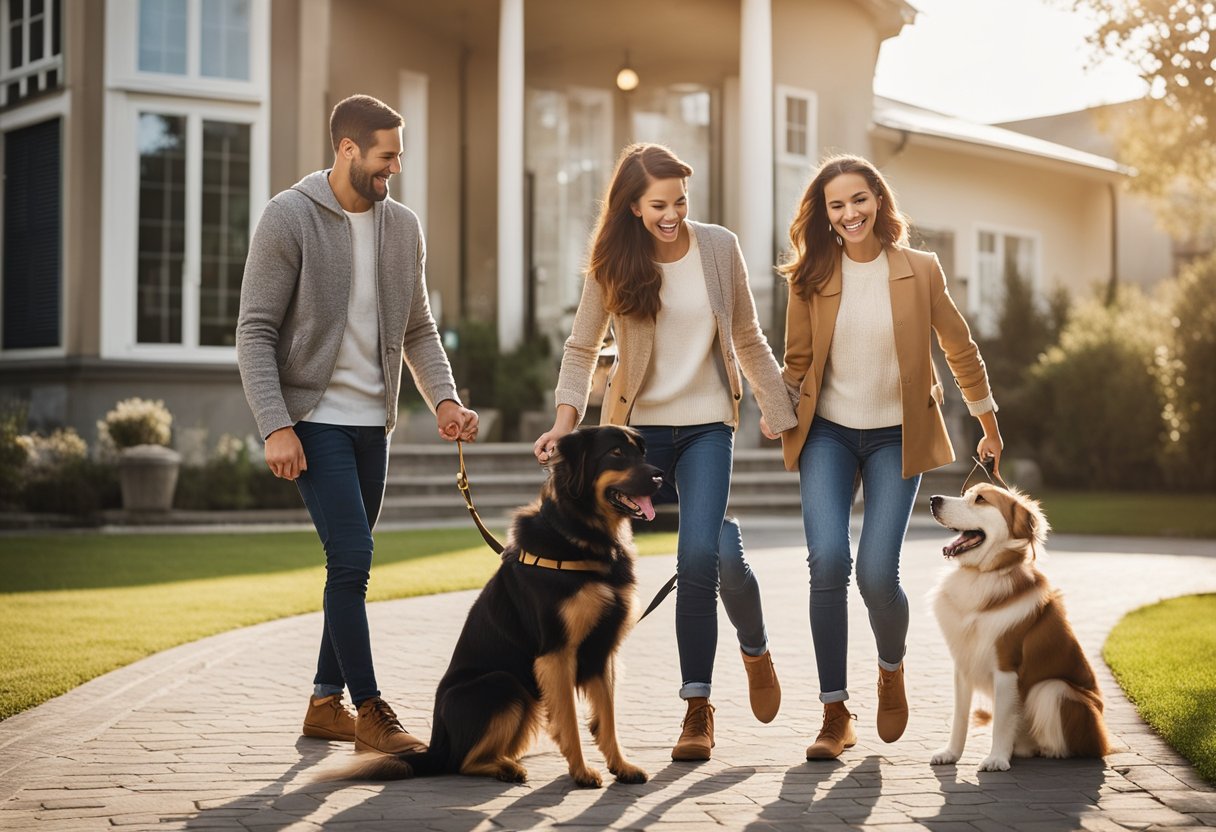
[(975, 284), (28, 70), (784, 156), (122, 57), (129, 93), (59, 106)]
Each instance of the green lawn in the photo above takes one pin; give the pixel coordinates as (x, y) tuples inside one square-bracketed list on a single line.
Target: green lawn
[(1162, 656), (1151, 514), (75, 606)]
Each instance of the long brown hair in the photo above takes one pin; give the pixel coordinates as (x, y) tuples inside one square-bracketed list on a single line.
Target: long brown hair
[(812, 238), (622, 250)]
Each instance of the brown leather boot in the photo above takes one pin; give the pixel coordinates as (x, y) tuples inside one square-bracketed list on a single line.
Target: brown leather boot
[(762, 686), (892, 704), (836, 735), (697, 736), (379, 730), (328, 718)]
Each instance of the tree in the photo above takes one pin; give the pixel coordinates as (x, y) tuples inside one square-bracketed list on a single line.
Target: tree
[(1170, 137)]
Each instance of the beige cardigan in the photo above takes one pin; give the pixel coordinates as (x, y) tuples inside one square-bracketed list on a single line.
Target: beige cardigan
[(920, 305), (742, 341)]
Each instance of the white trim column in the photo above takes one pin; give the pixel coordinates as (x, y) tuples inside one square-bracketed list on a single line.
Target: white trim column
[(512, 290), (756, 151)]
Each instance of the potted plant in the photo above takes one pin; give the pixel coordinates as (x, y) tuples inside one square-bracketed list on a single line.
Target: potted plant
[(138, 430)]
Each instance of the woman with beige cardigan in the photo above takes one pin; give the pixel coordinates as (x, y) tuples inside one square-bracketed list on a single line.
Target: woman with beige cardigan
[(862, 309), (677, 297)]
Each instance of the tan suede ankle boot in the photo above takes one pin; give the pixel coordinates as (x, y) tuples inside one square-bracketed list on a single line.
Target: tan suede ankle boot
[(697, 736), (892, 704), (763, 689), (836, 735)]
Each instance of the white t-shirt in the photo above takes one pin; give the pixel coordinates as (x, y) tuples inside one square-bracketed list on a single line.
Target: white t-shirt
[(355, 395), (685, 384), (861, 379)]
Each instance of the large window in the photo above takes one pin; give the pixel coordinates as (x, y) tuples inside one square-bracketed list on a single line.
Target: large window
[(31, 59), (1000, 256), (186, 139), (195, 38), (32, 245)]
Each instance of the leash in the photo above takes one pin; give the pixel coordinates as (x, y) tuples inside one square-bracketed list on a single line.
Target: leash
[(462, 483), (988, 467)]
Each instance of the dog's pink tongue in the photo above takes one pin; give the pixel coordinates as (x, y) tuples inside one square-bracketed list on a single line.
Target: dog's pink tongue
[(647, 507)]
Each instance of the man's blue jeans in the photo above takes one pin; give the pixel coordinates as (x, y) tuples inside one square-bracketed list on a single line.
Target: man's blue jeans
[(343, 489), (830, 463), (696, 461)]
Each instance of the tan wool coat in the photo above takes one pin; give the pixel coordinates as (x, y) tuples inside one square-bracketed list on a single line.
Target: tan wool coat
[(740, 338), (920, 306)]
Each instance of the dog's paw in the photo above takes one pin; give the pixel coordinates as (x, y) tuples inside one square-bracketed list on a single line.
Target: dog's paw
[(587, 778), (512, 773), (994, 763), (629, 773), (944, 757)]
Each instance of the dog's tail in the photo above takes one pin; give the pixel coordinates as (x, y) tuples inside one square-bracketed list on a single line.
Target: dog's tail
[(374, 765), (980, 718)]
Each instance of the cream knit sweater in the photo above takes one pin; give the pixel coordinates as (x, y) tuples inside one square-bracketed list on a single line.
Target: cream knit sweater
[(686, 384), (861, 378)]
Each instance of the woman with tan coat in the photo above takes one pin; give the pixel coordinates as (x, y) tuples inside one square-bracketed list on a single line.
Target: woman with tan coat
[(677, 296), (862, 309)]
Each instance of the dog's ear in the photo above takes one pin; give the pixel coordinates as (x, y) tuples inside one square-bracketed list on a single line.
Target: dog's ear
[(569, 474), (1025, 517)]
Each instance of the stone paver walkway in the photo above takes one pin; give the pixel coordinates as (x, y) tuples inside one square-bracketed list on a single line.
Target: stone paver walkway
[(205, 736)]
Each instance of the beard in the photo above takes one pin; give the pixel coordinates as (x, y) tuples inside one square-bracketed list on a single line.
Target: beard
[(364, 183)]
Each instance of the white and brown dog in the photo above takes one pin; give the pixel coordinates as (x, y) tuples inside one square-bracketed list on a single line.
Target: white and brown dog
[(1009, 637)]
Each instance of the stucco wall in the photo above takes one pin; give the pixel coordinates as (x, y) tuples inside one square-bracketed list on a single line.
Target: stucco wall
[(1069, 212)]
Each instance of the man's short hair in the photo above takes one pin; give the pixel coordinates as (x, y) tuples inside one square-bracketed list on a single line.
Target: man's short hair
[(358, 118)]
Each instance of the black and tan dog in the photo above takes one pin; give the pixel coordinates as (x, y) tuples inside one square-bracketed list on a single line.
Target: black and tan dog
[(546, 625)]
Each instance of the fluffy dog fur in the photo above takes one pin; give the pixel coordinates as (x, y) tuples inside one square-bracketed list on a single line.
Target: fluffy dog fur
[(537, 635), (1009, 637)]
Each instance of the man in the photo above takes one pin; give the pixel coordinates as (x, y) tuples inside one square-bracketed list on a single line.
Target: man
[(333, 301)]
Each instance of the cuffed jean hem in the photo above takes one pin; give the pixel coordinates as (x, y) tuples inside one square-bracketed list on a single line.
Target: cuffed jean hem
[(888, 666), (320, 691), (833, 696), (754, 651), (692, 690)]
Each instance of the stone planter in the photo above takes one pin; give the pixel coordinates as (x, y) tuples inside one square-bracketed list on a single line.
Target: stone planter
[(148, 475)]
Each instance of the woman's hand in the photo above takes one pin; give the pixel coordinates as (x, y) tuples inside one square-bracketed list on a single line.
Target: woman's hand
[(544, 447), (991, 445), (768, 434)]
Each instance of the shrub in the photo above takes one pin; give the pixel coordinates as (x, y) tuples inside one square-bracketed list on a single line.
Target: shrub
[(13, 456), (230, 480), (1191, 393), (1098, 398), (134, 422), (79, 487)]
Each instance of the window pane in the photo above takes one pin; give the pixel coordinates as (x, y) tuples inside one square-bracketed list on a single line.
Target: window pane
[(32, 209), (162, 36), (16, 55), (37, 38), (225, 39), (162, 220), (225, 231)]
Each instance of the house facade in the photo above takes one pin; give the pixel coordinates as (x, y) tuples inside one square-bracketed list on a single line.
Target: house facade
[(141, 139)]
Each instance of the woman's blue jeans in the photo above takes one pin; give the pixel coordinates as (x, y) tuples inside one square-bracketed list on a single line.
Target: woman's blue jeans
[(343, 489), (696, 461), (832, 460)]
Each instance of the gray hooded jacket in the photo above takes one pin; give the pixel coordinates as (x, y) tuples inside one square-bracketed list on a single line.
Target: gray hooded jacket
[(294, 299)]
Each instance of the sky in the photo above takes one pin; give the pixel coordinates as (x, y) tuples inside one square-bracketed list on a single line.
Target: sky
[(999, 60)]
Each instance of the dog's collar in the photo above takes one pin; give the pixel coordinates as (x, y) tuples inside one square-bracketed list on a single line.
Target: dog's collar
[(562, 565)]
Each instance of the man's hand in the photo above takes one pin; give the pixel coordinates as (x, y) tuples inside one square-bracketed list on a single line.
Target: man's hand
[(456, 422), (285, 454)]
